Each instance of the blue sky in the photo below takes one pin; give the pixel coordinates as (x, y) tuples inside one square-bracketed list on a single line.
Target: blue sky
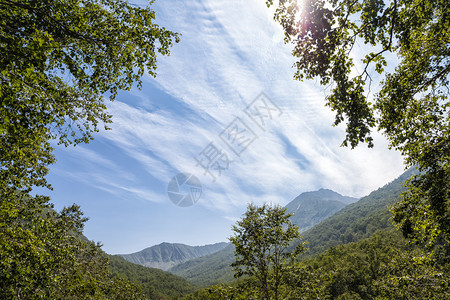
[(230, 52)]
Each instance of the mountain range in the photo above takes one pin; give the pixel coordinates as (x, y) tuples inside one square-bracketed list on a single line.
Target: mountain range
[(166, 255), (332, 220), (352, 223), (309, 209)]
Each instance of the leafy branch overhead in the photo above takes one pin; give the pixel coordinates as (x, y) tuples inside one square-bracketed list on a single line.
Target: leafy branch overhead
[(324, 34), (411, 108), (57, 60)]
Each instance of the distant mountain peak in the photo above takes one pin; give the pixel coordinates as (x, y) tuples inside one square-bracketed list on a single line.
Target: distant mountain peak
[(310, 208), (327, 194), (323, 189)]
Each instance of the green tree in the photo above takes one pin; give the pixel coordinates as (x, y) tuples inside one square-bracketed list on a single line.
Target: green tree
[(59, 61), (411, 107), (43, 255), (58, 58), (413, 275), (261, 240), (383, 266)]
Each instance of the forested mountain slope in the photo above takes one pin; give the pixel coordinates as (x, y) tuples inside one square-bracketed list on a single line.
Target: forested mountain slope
[(358, 220), (383, 266), (208, 270), (155, 284), (352, 223)]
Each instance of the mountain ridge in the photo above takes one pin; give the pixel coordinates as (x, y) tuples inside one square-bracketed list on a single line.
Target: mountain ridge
[(310, 208), (166, 255), (353, 223), (313, 207)]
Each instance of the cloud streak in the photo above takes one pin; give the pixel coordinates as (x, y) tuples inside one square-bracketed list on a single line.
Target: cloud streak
[(223, 62), (230, 52)]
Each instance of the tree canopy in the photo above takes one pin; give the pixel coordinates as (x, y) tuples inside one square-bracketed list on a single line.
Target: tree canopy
[(59, 61), (408, 43), (261, 240), (44, 255), (58, 58)]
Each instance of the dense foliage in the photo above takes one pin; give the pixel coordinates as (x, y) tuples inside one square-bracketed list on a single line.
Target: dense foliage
[(44, 256), (57, 60), (383, 266), (411, 107)]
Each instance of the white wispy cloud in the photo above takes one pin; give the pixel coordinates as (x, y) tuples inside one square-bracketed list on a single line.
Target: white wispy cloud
[(226, 58), (112, 184), (230, 52)]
